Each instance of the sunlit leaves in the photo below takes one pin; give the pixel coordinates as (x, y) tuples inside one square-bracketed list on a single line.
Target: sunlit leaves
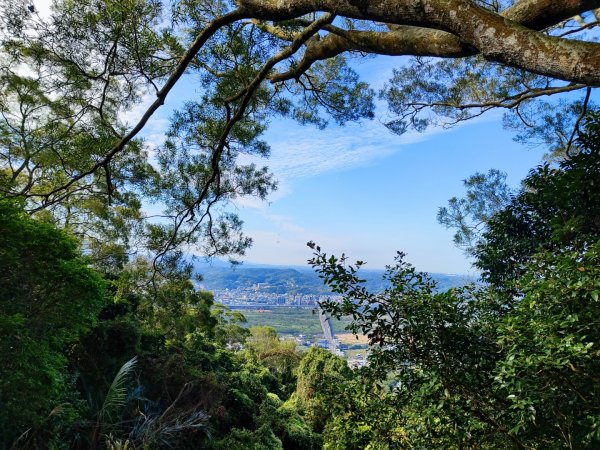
[(551, 345), (556, 208), (485, 195)]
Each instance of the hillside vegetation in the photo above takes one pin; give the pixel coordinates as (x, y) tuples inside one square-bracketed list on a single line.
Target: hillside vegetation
[(133, 134), (129, 358), (296, 281)]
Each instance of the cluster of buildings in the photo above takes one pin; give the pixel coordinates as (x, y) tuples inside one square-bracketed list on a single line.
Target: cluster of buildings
[(354, 362), (257, 296)]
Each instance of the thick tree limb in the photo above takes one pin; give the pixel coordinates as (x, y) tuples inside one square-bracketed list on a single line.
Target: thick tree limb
[(497, 38), (534, 14), (402, 40), (541, 14), (419, 41)]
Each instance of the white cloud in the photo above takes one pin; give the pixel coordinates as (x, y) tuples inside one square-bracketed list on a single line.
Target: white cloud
[(287, 244), (305, 152), (299, 152), (302, 151), (286, 224)]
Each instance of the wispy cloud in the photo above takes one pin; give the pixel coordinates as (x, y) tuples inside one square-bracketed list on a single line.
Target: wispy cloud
[(300, 152), (286, 224), (286, 244)]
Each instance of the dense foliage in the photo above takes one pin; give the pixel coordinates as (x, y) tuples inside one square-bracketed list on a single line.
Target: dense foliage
[(511, 364), (105, 341), (132, 358), (557, 208), (48, 298), (69, 339)]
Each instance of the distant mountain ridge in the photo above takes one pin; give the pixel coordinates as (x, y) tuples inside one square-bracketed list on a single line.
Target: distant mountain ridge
[(294, 280)]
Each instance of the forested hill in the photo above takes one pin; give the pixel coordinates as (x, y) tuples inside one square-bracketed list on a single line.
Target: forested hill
[(283, 279)]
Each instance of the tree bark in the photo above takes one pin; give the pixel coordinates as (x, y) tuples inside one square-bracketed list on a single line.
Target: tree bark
[(498, 37)]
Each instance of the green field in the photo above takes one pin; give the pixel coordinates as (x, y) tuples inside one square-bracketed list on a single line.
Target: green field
[(291, 320)]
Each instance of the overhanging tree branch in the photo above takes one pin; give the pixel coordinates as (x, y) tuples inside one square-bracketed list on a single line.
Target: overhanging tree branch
[(418, 41), (496, 37), (245, 95), (441, 28), (180, 69)]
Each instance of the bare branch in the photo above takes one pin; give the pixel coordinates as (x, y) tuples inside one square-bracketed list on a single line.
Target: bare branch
[(508, 102), (403, 40), (584, 107)]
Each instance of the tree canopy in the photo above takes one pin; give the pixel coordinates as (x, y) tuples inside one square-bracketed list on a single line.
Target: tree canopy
[(68, 81)]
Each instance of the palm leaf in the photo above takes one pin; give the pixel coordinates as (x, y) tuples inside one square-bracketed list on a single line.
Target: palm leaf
[(117, 392)]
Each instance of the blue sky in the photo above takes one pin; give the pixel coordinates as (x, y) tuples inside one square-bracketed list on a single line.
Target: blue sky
[(381, 198), (361, 190)]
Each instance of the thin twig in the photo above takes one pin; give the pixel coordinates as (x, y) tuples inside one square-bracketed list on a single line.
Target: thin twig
[(579, 119)]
